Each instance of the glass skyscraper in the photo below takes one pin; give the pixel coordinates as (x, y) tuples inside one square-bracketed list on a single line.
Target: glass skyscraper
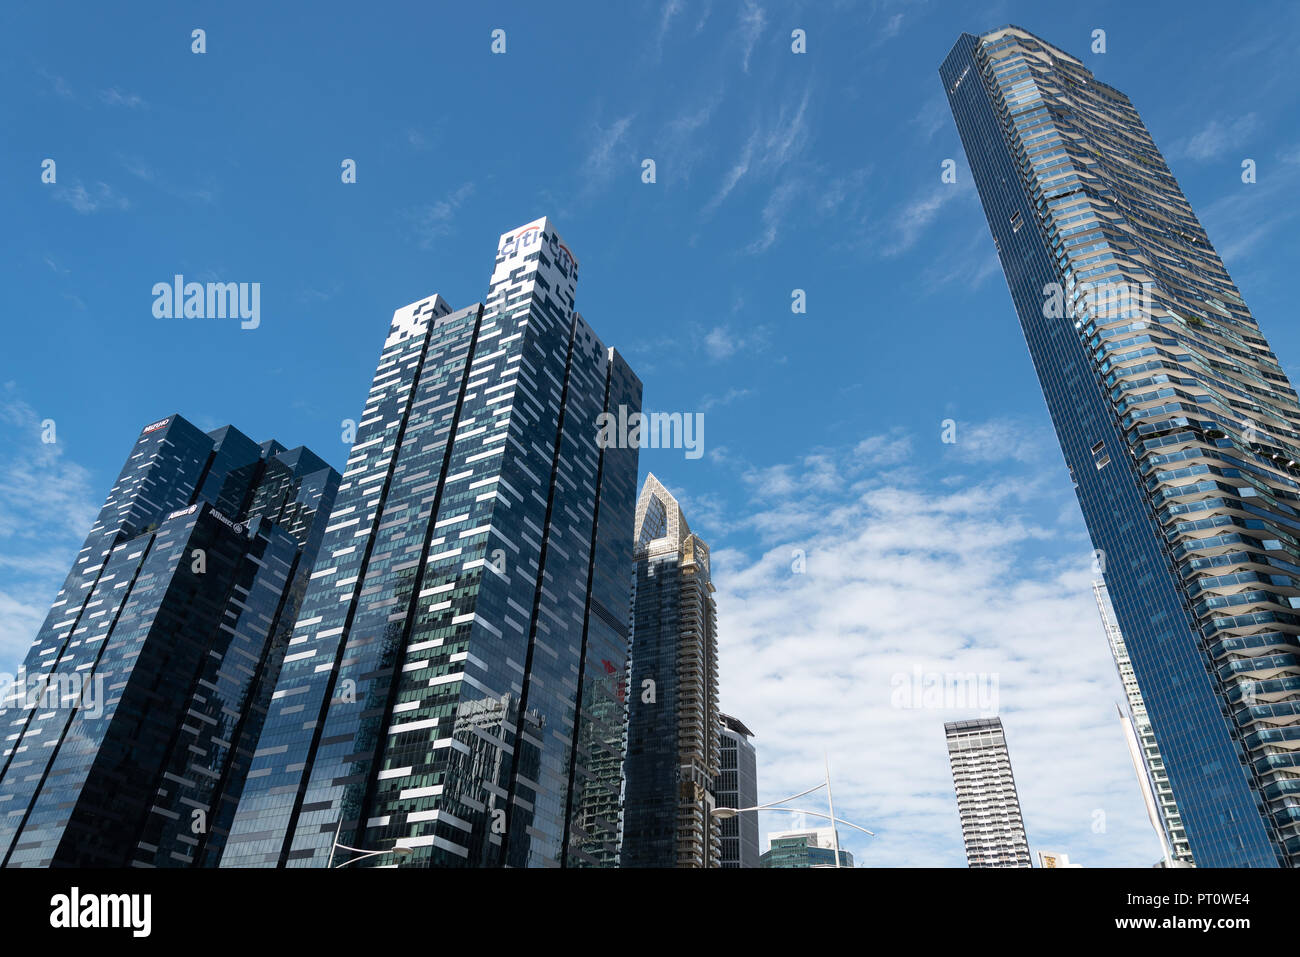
[(737, 787), (129, 732), (991, 824), (1153, 766), (455, 680), (674, 726), (803, 849), (1180, 430)]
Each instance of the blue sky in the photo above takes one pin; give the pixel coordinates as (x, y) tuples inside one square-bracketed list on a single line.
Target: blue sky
[(775, 172)]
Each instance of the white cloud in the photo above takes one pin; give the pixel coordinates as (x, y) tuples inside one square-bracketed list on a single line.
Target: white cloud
[(769, 151), (774, 214), (752, 21), (1250, 213), (724, 341), (902, 574), (670, 10), (47, 506), (1001, 440), (434, 221), (911, 222), (602, 161), (86, 201), (710, 402), (1220, 136), (734, 175), (115, 97)]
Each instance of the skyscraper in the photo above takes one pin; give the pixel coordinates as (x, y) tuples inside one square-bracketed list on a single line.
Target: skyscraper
[(991, 825), (737, 787), (674, 725), (1152, 765), (455, 681), (1180, 430), (129, 732), (803, 849)]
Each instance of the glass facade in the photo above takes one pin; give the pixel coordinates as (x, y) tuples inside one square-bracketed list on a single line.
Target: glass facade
[(803, 849), (127, 739), (737, 787), (1180, 430), (674, 726), (455, 681), (1153, 765)]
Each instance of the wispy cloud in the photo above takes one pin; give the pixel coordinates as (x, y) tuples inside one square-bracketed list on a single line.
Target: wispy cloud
[(58, 85), (968, 264), (433, 221), (137, 167), (911, 222), (775, 211), (711, 402), (734, 175), (1243, 218), (769, 148), (1219, 137), (682, 145), (606, 153), (666, 16), (724, 341), (932, 117), (99, 198), (115, 97), (752, 21), (1001, 440)]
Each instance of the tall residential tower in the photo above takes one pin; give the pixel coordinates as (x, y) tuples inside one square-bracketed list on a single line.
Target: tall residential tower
[(1159, 792), (674, 725), (455, 681), (991, 825), (1180, 429)]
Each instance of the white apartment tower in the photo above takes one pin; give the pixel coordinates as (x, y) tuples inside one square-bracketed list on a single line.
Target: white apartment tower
[(991, 825)]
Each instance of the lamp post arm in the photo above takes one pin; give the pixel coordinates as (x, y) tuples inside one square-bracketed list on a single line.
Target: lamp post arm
[(795, 810), (362, 857), (799, 795), (364, 850)]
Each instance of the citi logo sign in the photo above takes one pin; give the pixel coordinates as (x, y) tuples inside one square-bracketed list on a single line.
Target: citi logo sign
[(520, 243), (179, 299), (531, 238), (563, 258)]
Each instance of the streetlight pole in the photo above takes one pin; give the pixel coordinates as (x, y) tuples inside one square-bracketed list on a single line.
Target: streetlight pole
[(835, 832), (401, 850), (722, 813)]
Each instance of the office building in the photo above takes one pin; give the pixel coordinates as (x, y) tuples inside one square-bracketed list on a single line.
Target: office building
[(455, 682), (810, 848), (1150, 766), (129, 732), (991, 826), (1180, 429), (674, 726), (737, 787)]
